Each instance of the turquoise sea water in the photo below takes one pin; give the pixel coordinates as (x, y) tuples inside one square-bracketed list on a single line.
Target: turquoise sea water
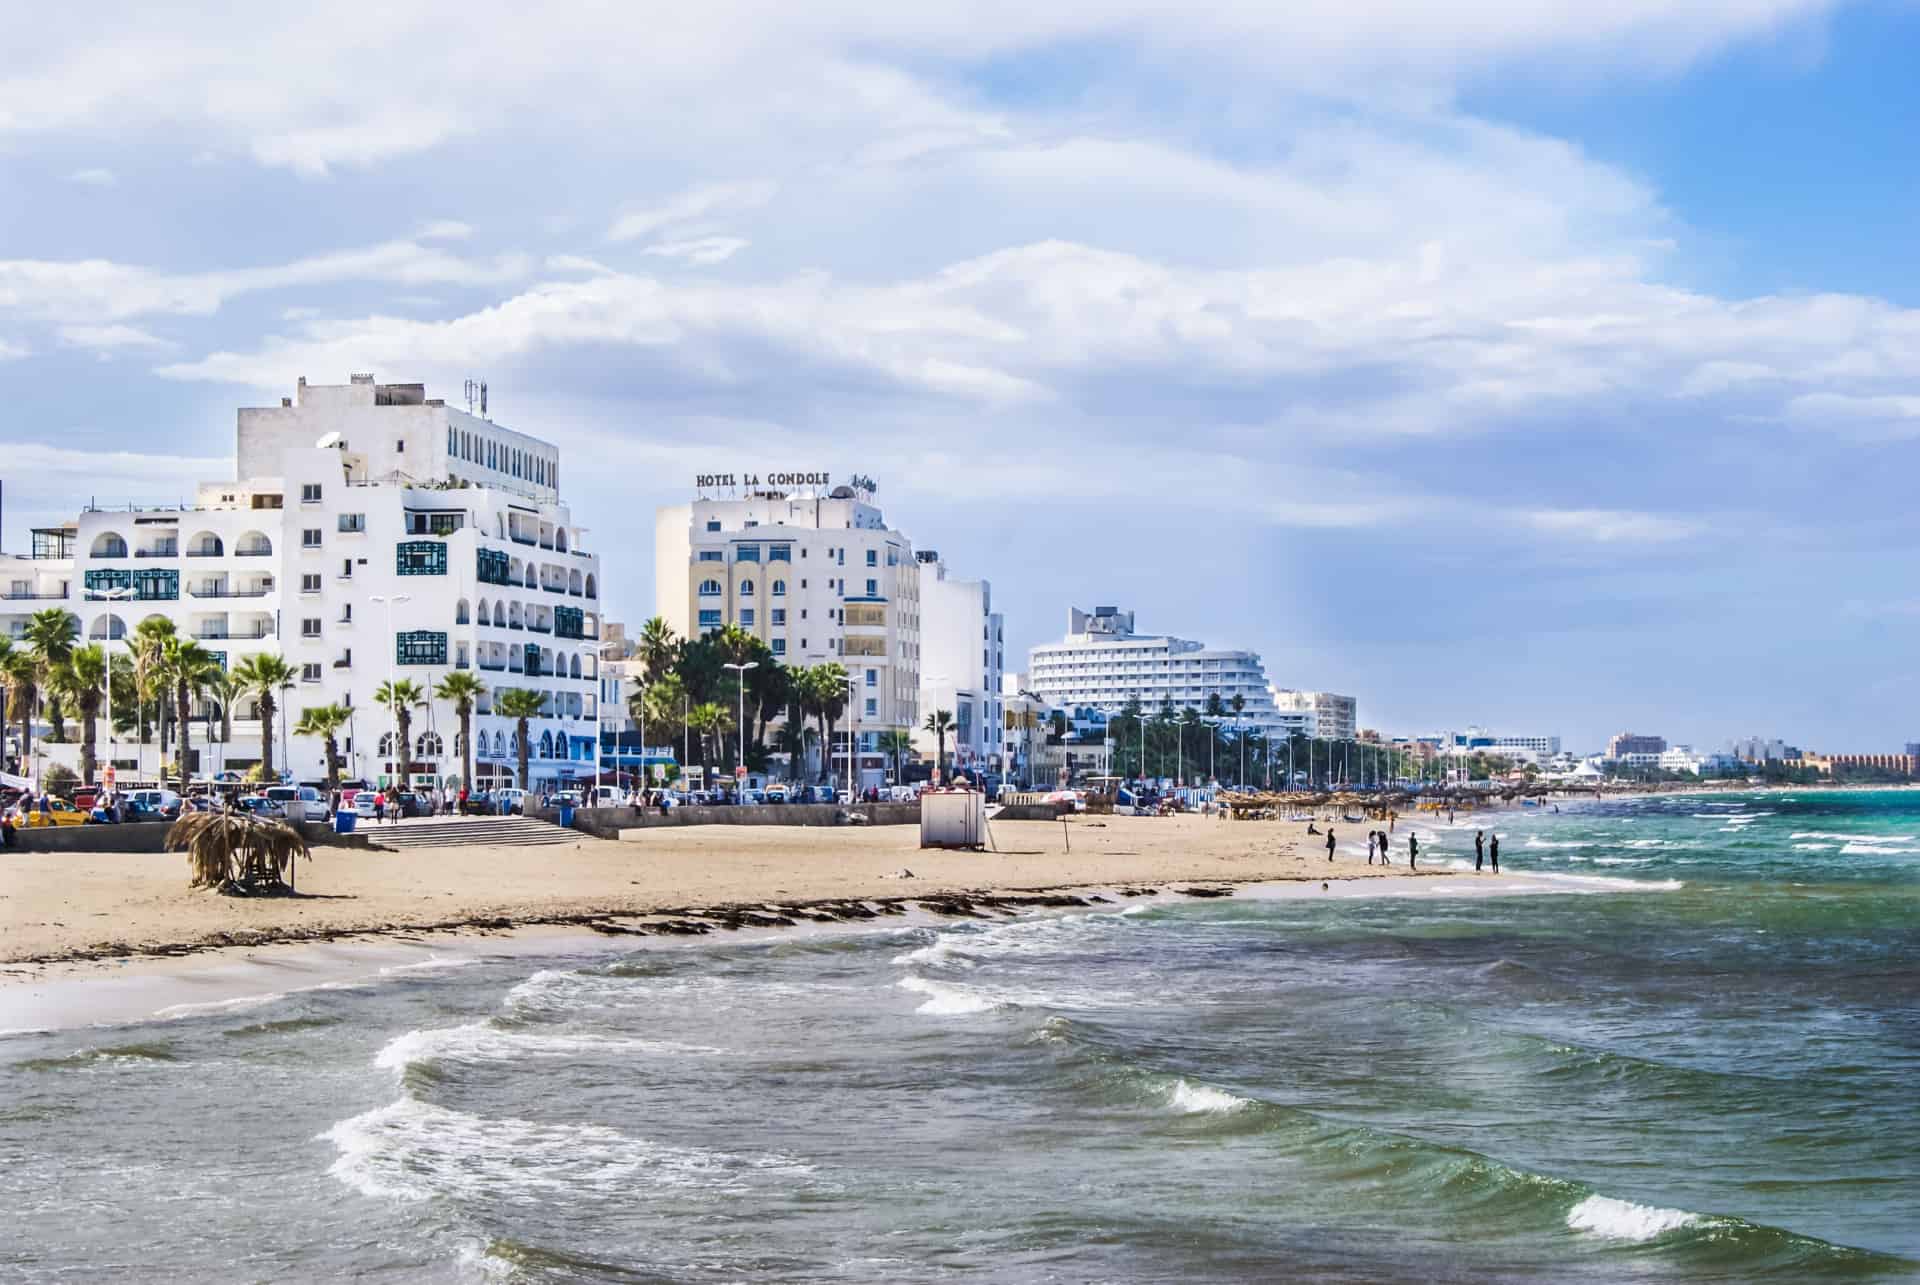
[(1696, 1059)]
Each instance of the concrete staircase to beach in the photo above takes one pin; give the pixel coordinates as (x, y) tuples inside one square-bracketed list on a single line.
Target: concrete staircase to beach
[(460, 832)]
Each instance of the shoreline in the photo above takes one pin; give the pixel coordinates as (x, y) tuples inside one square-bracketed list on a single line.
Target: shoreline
[(61, 994)]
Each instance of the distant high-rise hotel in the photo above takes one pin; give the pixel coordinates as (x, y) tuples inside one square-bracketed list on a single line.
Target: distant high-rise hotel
[(1625, 743)]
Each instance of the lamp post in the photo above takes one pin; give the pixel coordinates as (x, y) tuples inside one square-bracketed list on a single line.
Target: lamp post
[(393, 671), (742, 729), (106, 649), (853, 729)]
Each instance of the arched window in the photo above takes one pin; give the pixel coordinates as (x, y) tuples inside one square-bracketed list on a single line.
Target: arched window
[(500, 746), (460, 612), (560, 538), (513, 614), (486, 617), (109, 544), (590, 592), (386, 745), (108, 626), (546, 745), (746, 588), (428, 744), (779, 588), (500, 614), (573, 582), (709, 588), (574, 668), (533, 581)]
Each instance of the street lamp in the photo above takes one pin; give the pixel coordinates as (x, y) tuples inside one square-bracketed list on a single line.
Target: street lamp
[(393, 672), (853, 729), (742, 671), (106, 649)]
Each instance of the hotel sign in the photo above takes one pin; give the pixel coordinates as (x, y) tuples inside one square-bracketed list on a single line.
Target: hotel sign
[(709, 481)]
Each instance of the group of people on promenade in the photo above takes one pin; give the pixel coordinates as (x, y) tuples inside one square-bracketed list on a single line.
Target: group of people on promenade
[(1377, 843)]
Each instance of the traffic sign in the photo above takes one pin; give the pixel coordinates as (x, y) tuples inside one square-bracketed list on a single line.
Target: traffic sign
[(740, 773)]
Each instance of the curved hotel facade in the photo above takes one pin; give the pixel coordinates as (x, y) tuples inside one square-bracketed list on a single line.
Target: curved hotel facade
[(1103, 664)]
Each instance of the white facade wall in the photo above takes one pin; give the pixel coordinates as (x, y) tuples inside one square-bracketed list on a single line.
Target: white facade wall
[(290, 561), (1325, 714), (961, 661)]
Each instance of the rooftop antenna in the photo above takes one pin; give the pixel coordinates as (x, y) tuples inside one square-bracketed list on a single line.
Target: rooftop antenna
[(471, 390), (483, 399)]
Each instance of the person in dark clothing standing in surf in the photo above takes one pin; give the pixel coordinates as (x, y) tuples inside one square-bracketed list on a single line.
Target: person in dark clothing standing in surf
[(1496, 854), (1413, 851), (1479, 847), (1329, 843)]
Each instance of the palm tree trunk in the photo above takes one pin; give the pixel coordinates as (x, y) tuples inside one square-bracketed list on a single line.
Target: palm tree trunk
[(183, 715), (88, 761), (266, 736), (466, 748), (29, 697), (522, 747)]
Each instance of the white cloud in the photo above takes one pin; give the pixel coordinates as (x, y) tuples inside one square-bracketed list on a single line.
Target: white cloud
[(444, 230), (110, 337), (92, 178), (694, 203), (1611, 526), (702, 251), (101, 290), (1888, 417)]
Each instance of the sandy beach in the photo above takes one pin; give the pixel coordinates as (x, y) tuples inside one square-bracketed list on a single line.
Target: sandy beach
[(74, 907)]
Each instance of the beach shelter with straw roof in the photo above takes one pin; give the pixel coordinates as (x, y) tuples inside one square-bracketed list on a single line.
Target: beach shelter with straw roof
[(238, 853)]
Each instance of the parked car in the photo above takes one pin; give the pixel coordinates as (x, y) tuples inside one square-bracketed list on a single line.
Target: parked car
[(479, 804), (511, 801), (298, 802), (568, 798), (161, 803), (415, 804), (363, 805), (59, 813), (262, 806)]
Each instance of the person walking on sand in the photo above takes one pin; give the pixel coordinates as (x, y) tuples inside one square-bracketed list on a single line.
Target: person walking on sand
[(1413, 851), (1329, 843), (1496, 854), (1479, 847), (1370, 843)]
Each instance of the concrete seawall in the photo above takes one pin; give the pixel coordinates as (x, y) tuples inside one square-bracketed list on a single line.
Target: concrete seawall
[(608, 823), (151, 836)]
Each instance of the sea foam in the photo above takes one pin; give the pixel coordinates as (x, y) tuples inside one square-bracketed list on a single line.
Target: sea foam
[(1188, 1098), (944, 1000), (483, 1042), (1625, 1220)]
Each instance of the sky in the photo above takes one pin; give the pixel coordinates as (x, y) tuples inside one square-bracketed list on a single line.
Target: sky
[(1553, 368)]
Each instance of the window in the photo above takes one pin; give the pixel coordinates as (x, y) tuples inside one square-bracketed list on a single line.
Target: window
[(309, 493), (346, 568), (709, 620), (747, 553), (420, 558), (746, 588), (779, 646), (712, 555), (420, 647), (353, 522), (873, 557), (873, 678), (746, 617), (712, 525), (780, 553), (873, 707), (779, 615), (310, 627), (873, 588), (310, 538), (494, 567), (779, 588), (310, 673), (310, 582), (709, 588)]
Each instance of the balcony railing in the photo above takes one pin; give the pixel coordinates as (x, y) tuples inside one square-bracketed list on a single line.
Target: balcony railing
[(222, 591), (492, 666), (156, 553), (254, 551), (206, 551), (460, 664), (540, 629), (212, 634), (33, 597), (521, 539)]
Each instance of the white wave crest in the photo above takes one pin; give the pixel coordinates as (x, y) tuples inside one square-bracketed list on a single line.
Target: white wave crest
[(1188, 1098), (1625, 1220), (481, 1042), (1534, 841), (1844, 837), (1875, 850), (1607, 883), (944, 1000), (1813, 847), (175, 1012), (941, 952), (411, 1150)]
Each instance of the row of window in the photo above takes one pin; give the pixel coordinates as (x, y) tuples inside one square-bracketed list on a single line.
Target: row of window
[(463, 444), (778, 588)]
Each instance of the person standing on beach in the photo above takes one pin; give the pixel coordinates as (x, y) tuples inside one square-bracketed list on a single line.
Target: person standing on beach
[(1413, 851), (1479, 847), (1496, 854), (1329, 843), (1370, 843)]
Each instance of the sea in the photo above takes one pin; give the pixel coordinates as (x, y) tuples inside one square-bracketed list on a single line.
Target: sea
[(1690, 1051)]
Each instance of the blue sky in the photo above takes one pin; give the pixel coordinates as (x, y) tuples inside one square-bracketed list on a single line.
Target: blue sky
[(1503, 362)]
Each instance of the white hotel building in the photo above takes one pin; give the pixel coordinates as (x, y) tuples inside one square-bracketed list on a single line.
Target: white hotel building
[(961, 662), (811, 569), (371, 534), (1103, 664), (1323, 714)]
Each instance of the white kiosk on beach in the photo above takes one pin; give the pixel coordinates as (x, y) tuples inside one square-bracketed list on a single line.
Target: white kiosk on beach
[(953, 819)]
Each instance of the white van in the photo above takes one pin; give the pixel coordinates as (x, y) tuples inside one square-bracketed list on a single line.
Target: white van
[(299, 802)]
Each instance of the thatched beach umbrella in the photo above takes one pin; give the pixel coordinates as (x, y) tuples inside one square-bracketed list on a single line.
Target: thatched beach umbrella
[(237, 853)]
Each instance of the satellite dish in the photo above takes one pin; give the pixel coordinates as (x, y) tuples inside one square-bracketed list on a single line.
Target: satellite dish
[(331, 439)]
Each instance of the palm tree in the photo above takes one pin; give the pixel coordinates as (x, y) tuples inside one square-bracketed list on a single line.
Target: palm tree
[(149, 636), (795, 738), (226, 688), (940, 722), (186, 667), (6, 686), (895, 742), (708, 719), (401, 698), (658, 648), (1239, 704), (87, 670), (325, 722), (666, 705), (519, 704), (51, 634), (828, 687), (264, 676), (463, 689), (23, 693)]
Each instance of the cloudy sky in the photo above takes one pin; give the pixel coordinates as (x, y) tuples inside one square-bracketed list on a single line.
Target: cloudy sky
[(1554, 367)]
